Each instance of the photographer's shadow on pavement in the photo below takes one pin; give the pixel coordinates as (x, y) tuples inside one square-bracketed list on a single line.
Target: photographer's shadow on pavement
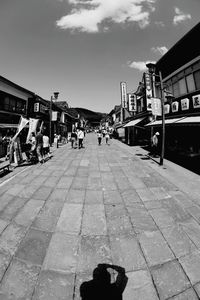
[(101, 287)]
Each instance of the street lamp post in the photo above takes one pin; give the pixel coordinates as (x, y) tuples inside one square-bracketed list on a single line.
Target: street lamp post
[(152, 67)]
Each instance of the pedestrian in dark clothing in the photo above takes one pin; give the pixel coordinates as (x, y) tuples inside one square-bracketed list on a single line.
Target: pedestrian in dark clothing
[(73, 139), (39, 145), (99, 136), (101, 288)]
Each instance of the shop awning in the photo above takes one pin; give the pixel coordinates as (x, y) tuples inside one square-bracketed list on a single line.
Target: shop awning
[(133, 122), (190, 120), (167, 122), (4, 125)]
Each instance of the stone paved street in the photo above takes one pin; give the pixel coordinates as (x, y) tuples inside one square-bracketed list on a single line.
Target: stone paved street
[(100, 204)]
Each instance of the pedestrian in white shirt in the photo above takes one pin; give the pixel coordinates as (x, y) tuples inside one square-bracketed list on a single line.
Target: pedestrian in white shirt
[(80, 136), (46, 146)]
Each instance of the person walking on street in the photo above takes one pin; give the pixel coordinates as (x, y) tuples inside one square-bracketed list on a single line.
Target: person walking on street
[(99, 136), (107, 136), (39, 145), (73, 139), (46, 146), (155, 143), (80, 136)]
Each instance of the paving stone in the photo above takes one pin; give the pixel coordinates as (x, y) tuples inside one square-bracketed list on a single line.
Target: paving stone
[(130, 197), (82, 172), (65, 182), (109, 184), (62, 253), (139, 286), (154, 204), (141, 219), (186, 295), (94, 184), (39, 180), (112, 197), (75, 196), (54, 286), (194, 211), (126, 252), (155, 248), (123, 184), (33, 247), (4, 262), (178, 213), (170, 279), (19, 280), (136, 182), (146, 194), (192, 229), (80, 278), (79, 183), (58, 195), (160, 193), (52, 208), (94, 221), (191, 266), (70, 219), (197, 289), (92, 251), (118, 221), (5, 199), (11, 237), (27, 191), (45, 222), (15, 189), (178, 241), (12, 208), (51, 181), (3, 225), (93, 197), (182, 198), (42, 193), (162, 217), (28, 213), (71, 171)]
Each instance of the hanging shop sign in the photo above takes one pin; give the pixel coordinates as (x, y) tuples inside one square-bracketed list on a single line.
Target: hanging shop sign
[(123, 94), (132, 104), (148, 90), (184, 104), (54, 116), (196, 101), (175, 106), (156, 106), (167, 108)]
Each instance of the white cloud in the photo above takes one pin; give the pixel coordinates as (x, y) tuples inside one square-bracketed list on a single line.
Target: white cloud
[(140, 65), (180, 16), (88, 15), (161, 50)]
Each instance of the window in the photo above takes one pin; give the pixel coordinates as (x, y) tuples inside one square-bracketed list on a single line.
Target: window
[(182, 86), (197, 79), (176, 92), (190, 83)]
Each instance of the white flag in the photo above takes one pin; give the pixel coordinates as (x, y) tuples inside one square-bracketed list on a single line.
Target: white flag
[(22, 123), (32, 127)]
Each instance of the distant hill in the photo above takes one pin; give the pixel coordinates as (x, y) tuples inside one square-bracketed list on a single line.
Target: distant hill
[(92, 117)]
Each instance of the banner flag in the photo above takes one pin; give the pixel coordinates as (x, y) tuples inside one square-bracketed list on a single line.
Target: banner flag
[(22, 123), (32, 127)]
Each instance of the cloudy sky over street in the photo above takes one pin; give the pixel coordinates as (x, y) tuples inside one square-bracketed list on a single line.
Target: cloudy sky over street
[(84, 48)]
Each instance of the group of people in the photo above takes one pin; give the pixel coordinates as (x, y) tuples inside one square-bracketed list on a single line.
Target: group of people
[(39, 146), (101, 135), (77, 137)]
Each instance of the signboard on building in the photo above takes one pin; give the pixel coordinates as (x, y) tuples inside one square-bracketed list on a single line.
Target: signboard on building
[(156, 106), (175, 106), (167, 108), (123, 94), (132, 103), (36, 107), (54, 116), (149, 93), (184, 104), (196, 101)]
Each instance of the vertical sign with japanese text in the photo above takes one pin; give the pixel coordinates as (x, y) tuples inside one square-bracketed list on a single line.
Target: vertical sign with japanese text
[(132, 104), (123, 94)]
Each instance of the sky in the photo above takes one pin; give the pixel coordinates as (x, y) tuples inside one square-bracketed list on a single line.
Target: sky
[(83, 49)]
